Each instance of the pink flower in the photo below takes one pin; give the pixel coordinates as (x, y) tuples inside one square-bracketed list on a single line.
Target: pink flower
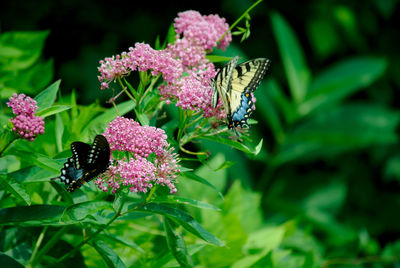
[(142, 58), (183, 65), (188, 53), (22, 104), (203, 31), (28, 127), (148, 159), (26, 124)]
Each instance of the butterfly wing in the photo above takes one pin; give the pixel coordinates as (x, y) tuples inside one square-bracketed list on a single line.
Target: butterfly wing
[(246, 77), (97, 161), (222, 83), (234, 85), (73, 168)]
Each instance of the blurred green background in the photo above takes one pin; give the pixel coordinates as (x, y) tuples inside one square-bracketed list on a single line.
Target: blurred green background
[(328, 112)]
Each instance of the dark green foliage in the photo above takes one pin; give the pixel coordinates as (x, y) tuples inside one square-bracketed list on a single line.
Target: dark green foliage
[(316, 184)]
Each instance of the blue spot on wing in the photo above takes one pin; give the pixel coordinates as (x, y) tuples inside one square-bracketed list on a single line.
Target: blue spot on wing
[(243, 111)]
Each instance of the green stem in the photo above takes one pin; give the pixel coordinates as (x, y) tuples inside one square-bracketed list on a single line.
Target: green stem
[(8, 144), (239, 19), (182, 123), (91, 236), (126, 90), (149, 88), (152, 191), (49, 245), (194, 121), (37, 245), (190, 152)]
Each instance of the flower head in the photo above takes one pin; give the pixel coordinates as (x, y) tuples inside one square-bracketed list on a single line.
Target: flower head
[(147, 160), (142, 58), (204, 31), (22, 104), (25, 124), (183, 65)]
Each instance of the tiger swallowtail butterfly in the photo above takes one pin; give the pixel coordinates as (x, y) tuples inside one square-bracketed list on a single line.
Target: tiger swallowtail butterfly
[(234, 84)]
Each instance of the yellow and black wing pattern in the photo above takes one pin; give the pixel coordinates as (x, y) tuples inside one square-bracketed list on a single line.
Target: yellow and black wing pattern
[(234, 85)]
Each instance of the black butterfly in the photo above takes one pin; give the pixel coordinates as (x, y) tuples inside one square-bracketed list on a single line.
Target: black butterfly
[(86, 163)]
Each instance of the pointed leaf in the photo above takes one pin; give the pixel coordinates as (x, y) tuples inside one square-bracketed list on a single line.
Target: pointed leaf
[(19, 50), (7, 261), (177, 245), (52, 110), (192, 176), (59, 131), (109, 256), (292, 55), (342, 80), (235, 144), (38, 160), (35, 215), (182, 218), (172, 199), (47, 97), (80, 211), (15, 188), (99, 124)]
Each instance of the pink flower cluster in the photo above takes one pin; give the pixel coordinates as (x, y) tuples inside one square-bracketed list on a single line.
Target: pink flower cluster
[(183, 65), (203, 31), (142, 58), (200, 34), (147, 159), (26, 124)]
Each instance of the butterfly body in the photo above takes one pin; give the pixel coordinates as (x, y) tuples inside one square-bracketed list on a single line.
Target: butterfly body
[(86, 163), (234, 85)]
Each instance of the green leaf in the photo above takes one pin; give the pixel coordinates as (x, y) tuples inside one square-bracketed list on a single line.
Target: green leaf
[(345, 128), (59, 131), (297, 72), (142, 118), (19, 50), (29, 81), (80, 211), (15, 188), (35, 215), (262, 241), (122, 240), (171, 35), (258, 147), (109, 256), (192, 176), (7, 261), (47, 97), (9, 163), (172, 199), (38, 160), (66, 196), (99, 124), (270, 112), (33, 174), (216, 58), (342, 80), (168, 259), (182, 218), (53, 110), (177, 245), (225, 165), (132, 89), (235, 144), (285, 107)]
